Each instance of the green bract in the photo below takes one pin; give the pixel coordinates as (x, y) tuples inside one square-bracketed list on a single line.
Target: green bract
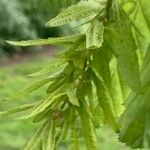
[(103, 79)]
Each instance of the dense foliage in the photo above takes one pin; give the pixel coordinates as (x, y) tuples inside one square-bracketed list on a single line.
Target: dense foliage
[(20, 131), (102, 79)]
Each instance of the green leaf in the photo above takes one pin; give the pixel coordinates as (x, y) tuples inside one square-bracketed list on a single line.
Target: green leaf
[(36, 138), (55, 97), (69, 116), (117, 94), (134, 120), (61, 79), (128, 66), (100, 63), (82, 10), (125, 50), (50, 68), (105, 101), (68, 40), (88, 128), (135, 14), (74, 136), (146, 138), (94, 35), (16, 110), (58, 83), (87, 85), (31, 88), (98, 116), (71, 93), (49, 141), (145, 77), (145, 9), (43, 115), (89, 110)]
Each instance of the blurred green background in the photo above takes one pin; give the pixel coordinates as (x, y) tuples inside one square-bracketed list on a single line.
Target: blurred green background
[(22, 20)]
